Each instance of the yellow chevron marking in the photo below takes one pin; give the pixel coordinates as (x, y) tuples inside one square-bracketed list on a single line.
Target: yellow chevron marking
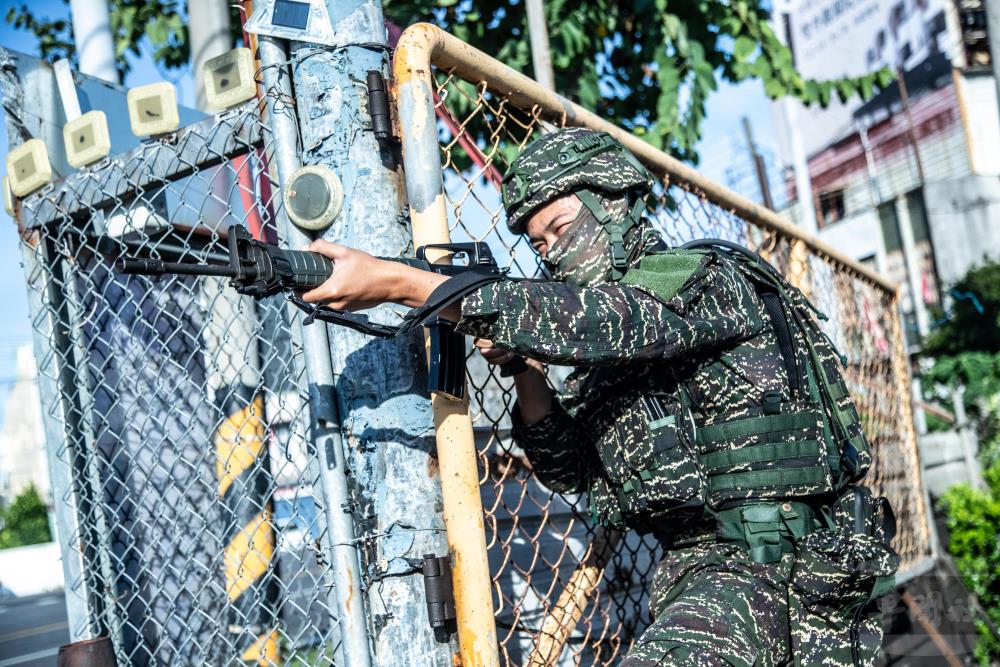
[(248, 554), (238, 442), (264, 650)]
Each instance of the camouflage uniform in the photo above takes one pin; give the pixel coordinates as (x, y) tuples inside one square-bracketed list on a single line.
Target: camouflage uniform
[(671, 351)]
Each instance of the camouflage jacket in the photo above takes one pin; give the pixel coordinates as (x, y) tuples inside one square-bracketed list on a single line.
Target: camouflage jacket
[(646, 367)]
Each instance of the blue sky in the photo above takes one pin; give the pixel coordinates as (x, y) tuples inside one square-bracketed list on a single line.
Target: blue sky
[(725, 108)]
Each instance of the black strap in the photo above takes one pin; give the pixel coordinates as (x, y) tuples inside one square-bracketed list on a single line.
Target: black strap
[(445, 294), (779, 323), (342, 318), (455, 288), (772, 303)]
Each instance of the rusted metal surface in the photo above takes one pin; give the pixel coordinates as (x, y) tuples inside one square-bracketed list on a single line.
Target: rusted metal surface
[(96, 652)]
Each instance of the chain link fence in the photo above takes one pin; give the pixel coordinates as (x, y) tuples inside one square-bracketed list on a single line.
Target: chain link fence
[(191, 513), (566, 592), (176, 411)]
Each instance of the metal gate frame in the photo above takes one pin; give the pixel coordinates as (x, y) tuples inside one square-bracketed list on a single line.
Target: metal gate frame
[(423, 47), (115, 180)]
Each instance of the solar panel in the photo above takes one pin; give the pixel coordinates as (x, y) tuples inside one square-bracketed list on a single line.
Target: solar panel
[(290, 14)]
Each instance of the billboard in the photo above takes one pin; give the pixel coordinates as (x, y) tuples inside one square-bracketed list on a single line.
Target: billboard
[(837, 38)]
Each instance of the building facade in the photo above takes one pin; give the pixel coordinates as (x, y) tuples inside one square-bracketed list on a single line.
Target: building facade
[(908, 181)]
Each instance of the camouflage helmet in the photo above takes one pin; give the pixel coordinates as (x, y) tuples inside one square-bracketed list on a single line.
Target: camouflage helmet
[(569, 160)]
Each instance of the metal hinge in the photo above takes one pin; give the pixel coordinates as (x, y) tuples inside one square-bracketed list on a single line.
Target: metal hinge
[(440, 595)]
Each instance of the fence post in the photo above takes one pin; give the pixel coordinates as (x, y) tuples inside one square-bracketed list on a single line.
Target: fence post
[(413, 88), (967, 436), (379, 384)]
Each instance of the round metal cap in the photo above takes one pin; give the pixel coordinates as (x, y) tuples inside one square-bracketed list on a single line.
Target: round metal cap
[(313, 197)]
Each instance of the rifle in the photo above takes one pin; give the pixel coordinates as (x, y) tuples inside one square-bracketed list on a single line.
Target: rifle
[(260, 269)]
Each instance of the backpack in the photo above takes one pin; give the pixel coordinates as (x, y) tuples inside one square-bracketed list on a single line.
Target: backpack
[(814, 370)]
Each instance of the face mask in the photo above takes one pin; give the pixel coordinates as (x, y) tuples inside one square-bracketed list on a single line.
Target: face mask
[(582, 255)]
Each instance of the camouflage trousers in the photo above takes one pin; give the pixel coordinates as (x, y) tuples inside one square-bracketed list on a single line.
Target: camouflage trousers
[(712, 606)]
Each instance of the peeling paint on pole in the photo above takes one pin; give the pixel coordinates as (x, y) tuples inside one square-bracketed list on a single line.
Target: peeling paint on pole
[(380, 384)]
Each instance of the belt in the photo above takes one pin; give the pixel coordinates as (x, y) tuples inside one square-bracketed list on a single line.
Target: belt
[(688, 534), (767, 530)]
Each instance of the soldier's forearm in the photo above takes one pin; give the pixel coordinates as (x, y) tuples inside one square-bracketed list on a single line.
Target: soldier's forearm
[(533, 395)]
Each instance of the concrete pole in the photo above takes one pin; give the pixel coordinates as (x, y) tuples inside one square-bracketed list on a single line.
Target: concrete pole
[(380, 384), (967, 436), (335, 523), (800, 164), (208, 32), (790, 109), (92, 32), (758, 164), (912, 265), (538, 32), (993, 34)]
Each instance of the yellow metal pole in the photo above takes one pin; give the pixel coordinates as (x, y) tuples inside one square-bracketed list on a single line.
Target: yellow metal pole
[(456, 447)]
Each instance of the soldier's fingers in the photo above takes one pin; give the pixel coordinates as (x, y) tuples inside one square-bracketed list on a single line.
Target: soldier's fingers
[(483, 343), (322, 293), (331, 250)]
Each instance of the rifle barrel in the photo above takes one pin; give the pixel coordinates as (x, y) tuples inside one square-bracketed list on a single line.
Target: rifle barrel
[(156, 267)]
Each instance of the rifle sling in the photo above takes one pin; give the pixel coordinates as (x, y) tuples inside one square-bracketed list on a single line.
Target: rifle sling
[(447, 293)]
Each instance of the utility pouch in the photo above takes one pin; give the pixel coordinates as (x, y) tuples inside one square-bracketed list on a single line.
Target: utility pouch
[(836, 580), (648, 458)]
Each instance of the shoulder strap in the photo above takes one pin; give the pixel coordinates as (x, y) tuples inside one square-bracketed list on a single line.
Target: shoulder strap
[(767, 282)]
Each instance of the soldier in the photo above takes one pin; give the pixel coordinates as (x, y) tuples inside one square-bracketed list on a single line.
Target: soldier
[(706, 408)]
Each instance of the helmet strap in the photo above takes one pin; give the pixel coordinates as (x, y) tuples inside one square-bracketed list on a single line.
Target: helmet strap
[(615, 230)]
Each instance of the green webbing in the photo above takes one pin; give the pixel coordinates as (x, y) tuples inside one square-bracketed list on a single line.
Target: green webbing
[(615, 230), (766, 530), (767, 479), (770, 451), (838, 391), (763, 426)]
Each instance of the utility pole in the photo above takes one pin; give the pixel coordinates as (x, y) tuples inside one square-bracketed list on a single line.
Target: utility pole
[(541, 55), (208, 32), (790, 109), (993, 36), (95, 49), (380, 384), (758, 165)]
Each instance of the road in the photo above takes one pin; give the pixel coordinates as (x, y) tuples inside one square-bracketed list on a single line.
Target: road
[(32, 629)]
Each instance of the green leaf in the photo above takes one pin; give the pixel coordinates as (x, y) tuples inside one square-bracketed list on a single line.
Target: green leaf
[(744, 47), (867, 88), (773, 88), (884, 77), (845, 89)]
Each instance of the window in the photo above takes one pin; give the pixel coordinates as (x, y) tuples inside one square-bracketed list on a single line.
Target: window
[(831, 207), (890, 226)]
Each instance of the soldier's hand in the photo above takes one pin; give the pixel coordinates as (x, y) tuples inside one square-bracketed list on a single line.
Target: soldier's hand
[(361, 281), (493, 354)]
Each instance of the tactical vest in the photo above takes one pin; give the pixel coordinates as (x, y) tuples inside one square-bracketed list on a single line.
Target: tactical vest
[(806, 446)]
